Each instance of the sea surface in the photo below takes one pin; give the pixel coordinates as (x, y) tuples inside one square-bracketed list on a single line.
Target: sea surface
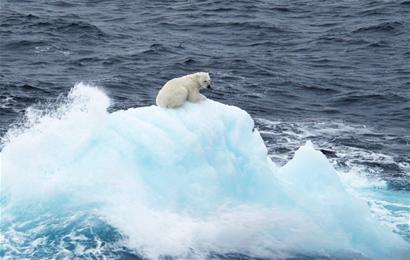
[(333, 72)]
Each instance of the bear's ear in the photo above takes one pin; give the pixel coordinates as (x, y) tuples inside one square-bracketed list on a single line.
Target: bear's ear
[(197, 76), (202, 74)]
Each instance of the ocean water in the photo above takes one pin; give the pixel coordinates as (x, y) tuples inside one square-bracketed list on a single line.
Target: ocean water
[(336, 73)]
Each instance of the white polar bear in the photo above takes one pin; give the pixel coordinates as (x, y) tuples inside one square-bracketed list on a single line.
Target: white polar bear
[(176, 91)]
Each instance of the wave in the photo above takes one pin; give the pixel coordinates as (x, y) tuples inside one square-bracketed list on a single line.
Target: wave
[(381, 27), (185, 183)]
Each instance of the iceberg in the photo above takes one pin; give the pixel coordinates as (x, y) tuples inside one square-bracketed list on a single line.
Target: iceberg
[(184, 183)]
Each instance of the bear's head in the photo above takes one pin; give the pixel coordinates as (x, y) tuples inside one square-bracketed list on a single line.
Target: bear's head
[(203, 80)]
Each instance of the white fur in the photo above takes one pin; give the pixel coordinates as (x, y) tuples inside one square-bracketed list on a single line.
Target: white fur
[(176, 91)]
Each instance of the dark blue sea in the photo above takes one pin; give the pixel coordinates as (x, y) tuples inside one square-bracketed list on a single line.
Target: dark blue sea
[(333, 72)]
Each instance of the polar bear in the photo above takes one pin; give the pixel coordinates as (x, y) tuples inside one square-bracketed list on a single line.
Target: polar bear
[(176, 91)]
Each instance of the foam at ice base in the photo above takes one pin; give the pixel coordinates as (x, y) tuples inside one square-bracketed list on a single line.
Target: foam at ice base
[(194, 179)]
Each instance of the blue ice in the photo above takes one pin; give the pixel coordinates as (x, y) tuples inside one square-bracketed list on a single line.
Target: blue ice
[(176, 181)]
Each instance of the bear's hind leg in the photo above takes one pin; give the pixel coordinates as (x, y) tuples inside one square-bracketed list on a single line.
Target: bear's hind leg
[(178, 98)]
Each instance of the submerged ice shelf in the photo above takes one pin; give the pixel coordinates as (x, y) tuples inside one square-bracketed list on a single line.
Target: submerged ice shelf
[(193, 180)]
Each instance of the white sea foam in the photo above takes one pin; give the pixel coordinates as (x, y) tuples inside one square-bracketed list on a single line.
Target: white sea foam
[(184, 182)]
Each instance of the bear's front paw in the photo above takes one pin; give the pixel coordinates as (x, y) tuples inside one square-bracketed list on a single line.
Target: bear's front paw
[(201, 98), (196, 98)]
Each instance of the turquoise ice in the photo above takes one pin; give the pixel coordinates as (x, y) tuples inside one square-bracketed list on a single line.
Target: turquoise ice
[(182, 182)]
